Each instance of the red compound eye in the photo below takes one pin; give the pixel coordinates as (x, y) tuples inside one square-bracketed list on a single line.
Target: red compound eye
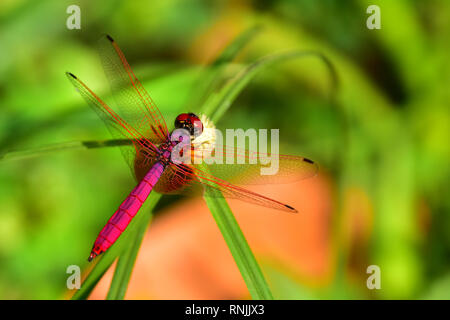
[(182, 117), (190, 122)]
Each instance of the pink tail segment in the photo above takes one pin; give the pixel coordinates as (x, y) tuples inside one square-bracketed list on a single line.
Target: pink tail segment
[(127, 210)]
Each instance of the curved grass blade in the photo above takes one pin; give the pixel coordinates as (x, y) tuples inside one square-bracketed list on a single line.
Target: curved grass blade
[(212, 75), (64, 146), (236, 46), (217, 104)]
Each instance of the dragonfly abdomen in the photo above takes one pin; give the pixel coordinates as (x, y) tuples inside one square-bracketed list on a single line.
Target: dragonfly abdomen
[(127, 210)]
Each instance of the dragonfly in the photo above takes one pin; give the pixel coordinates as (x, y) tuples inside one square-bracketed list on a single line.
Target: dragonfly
[(136, 119)]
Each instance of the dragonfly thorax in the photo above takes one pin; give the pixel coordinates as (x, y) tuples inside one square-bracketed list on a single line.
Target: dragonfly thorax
[(164, 150)]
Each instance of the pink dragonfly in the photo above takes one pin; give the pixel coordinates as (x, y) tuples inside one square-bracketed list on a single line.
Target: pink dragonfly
[(148, 153)]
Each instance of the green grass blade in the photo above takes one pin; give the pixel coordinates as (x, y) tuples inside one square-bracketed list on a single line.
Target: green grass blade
[(125, 264), (97, 272), (64, 146), (236, 46), (238, 246), (218, 104)]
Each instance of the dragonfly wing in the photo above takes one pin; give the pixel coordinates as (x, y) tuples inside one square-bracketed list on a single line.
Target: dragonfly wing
[(250, 167), (117, 126), (134, 104), (187, 179)]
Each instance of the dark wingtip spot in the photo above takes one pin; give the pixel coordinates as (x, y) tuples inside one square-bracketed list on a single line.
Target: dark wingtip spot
[(109, 38), (291, 208), (71, 74), (307, 160)]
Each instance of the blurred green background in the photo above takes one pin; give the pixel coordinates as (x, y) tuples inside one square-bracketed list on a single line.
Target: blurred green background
[(384, 134)]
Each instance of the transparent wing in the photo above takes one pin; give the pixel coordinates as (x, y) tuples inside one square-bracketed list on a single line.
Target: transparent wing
[(134, 104), (242, 166), (237, 165), (118, 127), (186, 179)]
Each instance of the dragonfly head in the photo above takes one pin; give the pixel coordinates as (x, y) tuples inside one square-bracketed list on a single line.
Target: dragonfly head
[(191, 123)]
